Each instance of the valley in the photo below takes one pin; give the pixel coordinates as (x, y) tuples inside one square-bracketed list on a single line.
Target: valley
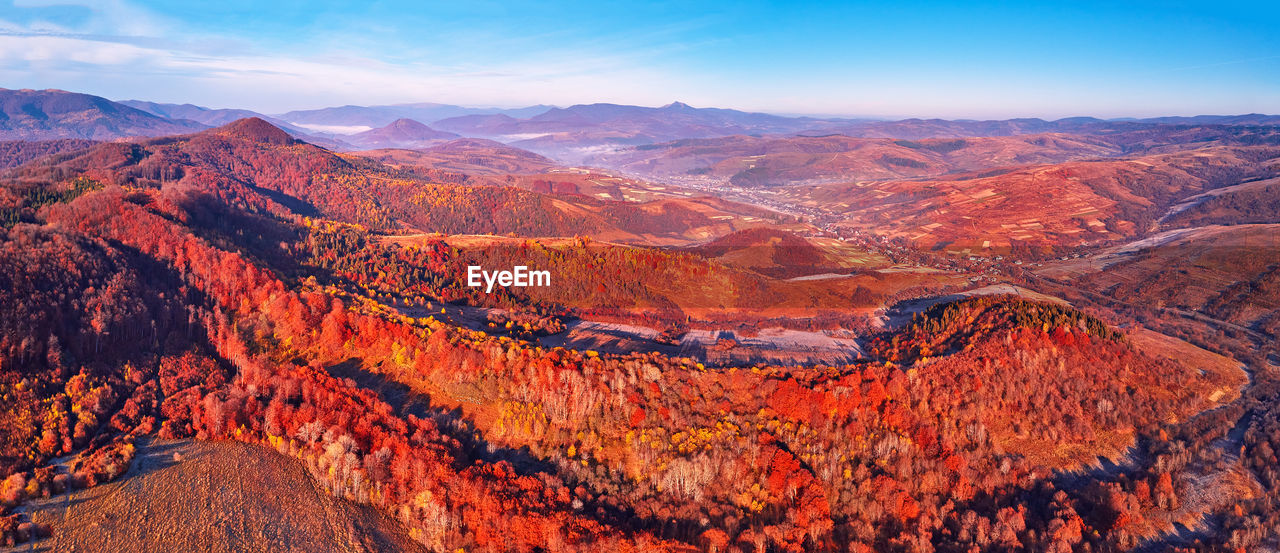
[(760, 333)]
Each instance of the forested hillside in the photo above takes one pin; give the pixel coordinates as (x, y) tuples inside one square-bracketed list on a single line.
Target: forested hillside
[(238, 285)]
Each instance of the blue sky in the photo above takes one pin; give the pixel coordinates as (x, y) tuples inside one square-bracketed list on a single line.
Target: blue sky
[(898, 59)]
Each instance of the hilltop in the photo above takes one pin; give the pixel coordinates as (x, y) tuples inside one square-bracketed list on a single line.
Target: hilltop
[(401, 133)]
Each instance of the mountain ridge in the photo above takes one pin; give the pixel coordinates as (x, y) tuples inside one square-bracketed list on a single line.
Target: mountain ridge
[(28, 114), (382, 115)]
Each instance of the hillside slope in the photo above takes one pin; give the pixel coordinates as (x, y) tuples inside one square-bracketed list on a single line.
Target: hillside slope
[(782, 161), (53, 114), (254, 165), (1041, 206), (216, 496)]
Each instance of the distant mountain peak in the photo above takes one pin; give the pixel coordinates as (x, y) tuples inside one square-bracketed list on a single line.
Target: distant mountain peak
[(401, 133), (678, 105), (404, 123), (406, 129), (255, 129)]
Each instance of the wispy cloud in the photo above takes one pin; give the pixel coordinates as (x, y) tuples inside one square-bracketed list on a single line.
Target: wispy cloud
[(757, 56), (109, 17), (119, 44)]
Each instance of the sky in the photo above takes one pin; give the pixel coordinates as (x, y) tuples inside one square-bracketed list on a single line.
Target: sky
[(884, 59)]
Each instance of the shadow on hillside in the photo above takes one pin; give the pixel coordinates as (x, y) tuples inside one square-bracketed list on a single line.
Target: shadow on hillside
[(452, 422)]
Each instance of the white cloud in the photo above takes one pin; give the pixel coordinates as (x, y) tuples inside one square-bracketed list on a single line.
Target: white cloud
[(281, 82), (118, 49), (52, 49), (124, 51), (114, 17)]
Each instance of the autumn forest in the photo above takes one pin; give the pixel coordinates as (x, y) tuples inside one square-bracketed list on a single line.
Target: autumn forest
[(933, 356)]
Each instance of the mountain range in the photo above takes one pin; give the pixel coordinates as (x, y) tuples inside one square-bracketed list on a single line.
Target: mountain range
[(379, 116), (1046, 336), (574, 134)]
